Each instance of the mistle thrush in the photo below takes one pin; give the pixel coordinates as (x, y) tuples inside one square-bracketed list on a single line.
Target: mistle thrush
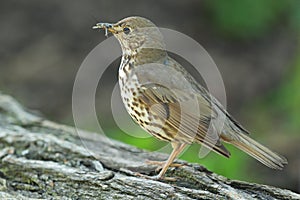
[(167, 102)]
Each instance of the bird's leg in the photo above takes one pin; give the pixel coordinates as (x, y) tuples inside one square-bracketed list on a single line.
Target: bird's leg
[(177, 149), (161, 164)]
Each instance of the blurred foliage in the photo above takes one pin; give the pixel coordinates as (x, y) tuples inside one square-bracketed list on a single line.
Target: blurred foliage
[(235, 167), (245, 18), (149, 143), (284, 102), (295, 14), (287, 98)]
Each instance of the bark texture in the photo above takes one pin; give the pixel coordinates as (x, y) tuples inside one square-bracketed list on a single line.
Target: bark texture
[(41, 159)]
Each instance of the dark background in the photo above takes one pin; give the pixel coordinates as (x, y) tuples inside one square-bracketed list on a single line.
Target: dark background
[(255, 44)]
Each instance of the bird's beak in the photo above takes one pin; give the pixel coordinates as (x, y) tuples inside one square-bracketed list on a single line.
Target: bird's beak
[(106, 26)]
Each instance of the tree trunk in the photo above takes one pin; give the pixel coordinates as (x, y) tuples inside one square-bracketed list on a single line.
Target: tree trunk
[(45, 160)]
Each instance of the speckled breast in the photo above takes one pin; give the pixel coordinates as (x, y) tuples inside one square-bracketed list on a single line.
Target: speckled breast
[(131, 91)]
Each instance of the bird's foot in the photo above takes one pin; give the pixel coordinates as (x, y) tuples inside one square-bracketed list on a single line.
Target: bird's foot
[(156, 177), (160, 164)]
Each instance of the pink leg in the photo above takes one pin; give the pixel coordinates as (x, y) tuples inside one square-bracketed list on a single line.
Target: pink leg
[(177, 149)]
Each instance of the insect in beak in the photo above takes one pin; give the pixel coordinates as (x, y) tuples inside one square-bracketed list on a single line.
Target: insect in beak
[(106, 26)]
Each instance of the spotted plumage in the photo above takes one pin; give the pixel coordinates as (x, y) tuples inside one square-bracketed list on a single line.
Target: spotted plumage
[(167, 102)]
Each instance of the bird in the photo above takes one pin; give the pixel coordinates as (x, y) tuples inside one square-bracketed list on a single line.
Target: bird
[(166, 101)]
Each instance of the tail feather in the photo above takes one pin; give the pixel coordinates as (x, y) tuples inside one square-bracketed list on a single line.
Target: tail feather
[(259, 152)]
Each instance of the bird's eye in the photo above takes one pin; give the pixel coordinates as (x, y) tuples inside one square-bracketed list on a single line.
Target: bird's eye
[(126, 30)]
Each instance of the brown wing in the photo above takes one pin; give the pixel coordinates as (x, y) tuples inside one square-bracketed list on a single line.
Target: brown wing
[(183, 117)]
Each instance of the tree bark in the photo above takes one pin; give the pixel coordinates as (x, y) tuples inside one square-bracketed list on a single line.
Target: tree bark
[(41, 159)]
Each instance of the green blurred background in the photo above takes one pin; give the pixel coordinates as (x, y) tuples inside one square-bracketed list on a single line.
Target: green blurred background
[(255, 44)]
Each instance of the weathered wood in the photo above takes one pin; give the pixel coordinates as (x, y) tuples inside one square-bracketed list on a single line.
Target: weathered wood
[(41, 159)]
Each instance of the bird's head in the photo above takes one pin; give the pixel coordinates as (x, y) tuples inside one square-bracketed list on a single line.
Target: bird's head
[(134, 34)]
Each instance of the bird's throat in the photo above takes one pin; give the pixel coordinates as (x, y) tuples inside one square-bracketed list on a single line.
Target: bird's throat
[(146, 55)]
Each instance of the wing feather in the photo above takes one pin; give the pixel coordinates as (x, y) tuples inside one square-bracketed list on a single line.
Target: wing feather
[(186, 117)]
